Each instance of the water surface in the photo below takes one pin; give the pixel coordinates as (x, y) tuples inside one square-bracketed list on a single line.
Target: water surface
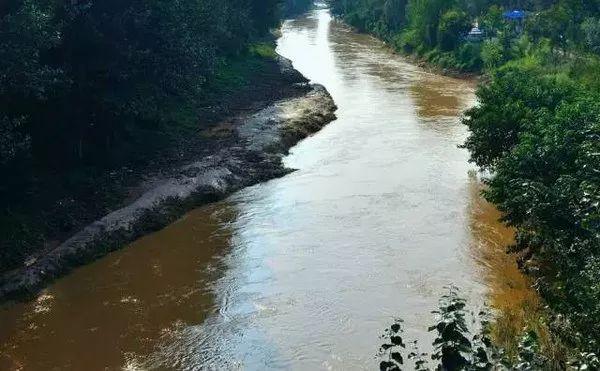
[(302, 272)]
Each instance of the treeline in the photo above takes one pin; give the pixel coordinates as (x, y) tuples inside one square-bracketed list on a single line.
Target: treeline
[(77, 76), (436, 30), (292, 7), (536, 130)]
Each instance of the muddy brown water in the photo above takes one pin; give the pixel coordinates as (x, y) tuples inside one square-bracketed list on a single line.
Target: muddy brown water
[(302, 272)]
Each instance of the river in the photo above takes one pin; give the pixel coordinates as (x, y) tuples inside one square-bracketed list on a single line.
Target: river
[(302, 272)]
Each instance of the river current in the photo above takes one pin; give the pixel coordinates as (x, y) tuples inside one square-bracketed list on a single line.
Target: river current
[(302, 272)]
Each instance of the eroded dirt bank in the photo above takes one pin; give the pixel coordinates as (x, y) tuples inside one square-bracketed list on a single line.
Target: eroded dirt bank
[(248, 151)]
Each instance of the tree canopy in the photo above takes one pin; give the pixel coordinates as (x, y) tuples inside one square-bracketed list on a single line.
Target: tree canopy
[(76, 75)]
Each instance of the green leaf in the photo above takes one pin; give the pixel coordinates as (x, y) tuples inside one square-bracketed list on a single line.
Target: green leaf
[(397, 357), (397, 340)]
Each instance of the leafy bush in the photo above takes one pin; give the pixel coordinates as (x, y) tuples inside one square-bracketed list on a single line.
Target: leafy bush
[(538, 134), (469, 56), (453, 348), (492, 54), (391, 350), (409, 41)]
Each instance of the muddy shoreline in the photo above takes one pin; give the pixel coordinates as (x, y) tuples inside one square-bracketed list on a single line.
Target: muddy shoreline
[(249, 151)]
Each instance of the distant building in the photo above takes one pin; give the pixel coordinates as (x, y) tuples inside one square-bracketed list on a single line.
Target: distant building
[(517, 16), (476, 34)]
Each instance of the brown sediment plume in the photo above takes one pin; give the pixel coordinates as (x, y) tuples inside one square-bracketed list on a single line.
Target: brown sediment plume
[(516, 304)]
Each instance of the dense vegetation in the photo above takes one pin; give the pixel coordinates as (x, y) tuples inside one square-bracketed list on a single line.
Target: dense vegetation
[(88, 87), (292, 7), (70, 70), (436, 30), (536, 130)]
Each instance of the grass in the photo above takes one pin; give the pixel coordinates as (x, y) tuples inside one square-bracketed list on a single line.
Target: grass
[(263, 49), (235, 72)]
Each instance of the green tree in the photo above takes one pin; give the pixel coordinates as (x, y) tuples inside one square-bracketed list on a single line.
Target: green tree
[(394, 14), (492, 21), (453, 26), (553, 23), (512, 98), (424, 17), (492, 53)]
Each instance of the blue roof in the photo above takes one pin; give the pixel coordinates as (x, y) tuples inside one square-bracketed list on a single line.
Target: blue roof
[(514, 14)]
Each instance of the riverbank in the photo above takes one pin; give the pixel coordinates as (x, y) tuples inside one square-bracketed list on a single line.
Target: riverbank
[(250, 132), (431, 61), (437, 68)]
